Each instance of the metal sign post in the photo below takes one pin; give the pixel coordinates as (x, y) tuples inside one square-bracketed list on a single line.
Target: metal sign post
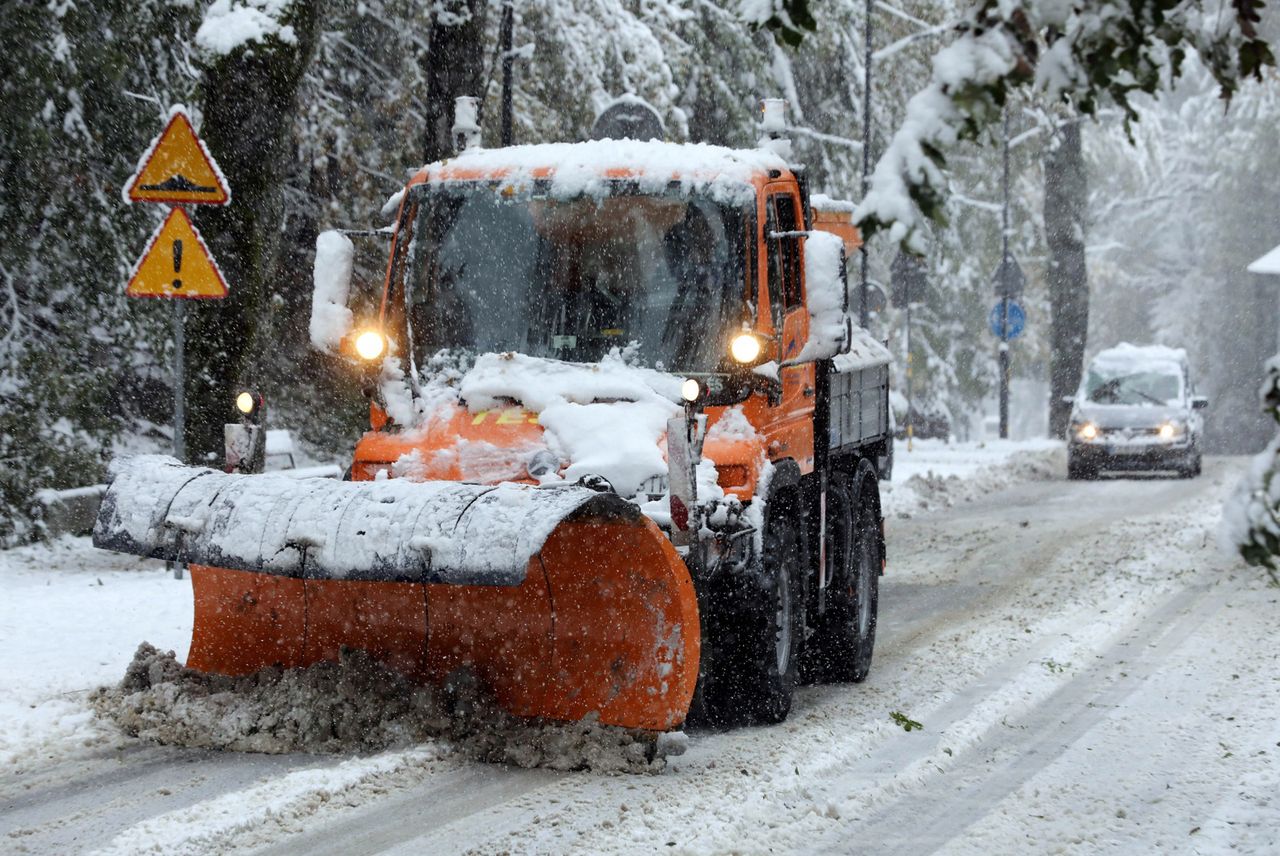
[(179, 380), (1003, 361), (1007, 317)]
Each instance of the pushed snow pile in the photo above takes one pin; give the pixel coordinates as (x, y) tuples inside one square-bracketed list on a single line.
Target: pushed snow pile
[(955, 474), (355, 705)]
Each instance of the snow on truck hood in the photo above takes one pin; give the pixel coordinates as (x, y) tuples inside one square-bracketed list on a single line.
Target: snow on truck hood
[(605, 419)]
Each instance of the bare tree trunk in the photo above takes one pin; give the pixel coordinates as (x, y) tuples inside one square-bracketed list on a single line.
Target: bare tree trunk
[(250, 100), (1065, 201), (453, 66)]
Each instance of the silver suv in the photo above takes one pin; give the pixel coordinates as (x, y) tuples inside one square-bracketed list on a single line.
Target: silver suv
[(1136, 410)]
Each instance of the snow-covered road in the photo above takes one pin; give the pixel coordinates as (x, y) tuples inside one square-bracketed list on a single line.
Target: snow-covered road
[(1089, 672)]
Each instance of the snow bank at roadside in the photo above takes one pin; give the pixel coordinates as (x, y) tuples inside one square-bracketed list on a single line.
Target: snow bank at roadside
[(936, 474), (354, 705)]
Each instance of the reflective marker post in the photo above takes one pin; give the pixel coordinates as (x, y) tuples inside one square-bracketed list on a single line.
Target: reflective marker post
[(1007, 318)]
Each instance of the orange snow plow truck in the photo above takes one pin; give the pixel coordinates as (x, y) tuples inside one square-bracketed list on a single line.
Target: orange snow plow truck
[(622, 457)]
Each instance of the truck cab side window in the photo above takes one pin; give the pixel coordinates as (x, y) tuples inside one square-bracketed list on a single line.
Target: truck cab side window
[(774, 267), (784, 253)]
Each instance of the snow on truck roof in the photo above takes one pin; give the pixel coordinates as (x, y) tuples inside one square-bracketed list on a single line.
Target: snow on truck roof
[(1139, 358), (823, 202), (581, 168)]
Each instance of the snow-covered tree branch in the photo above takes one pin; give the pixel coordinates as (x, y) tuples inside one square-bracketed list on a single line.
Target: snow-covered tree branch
[(1085, 52)]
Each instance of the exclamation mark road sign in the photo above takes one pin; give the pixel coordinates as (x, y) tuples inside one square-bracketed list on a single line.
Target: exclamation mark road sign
[(186, 271)]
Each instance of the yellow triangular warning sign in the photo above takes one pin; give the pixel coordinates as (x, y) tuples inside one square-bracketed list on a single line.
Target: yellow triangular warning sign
[(176, 263), (177, 168)]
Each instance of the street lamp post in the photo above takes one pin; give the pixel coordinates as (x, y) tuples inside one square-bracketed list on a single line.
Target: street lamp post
[(1003, 360)]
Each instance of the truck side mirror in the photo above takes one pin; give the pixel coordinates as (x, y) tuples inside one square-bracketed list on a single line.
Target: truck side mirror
[(1199, 402)]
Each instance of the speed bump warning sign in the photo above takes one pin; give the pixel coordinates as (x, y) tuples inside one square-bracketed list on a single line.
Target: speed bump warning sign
[(177, 168)]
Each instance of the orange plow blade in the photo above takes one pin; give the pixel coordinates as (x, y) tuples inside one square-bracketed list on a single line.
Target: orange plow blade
[(601, 616)]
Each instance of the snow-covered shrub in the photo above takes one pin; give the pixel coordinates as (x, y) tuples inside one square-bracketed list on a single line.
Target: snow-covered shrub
[(1251, 515)]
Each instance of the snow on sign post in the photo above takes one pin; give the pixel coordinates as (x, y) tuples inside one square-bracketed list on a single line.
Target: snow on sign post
[(176, 169)]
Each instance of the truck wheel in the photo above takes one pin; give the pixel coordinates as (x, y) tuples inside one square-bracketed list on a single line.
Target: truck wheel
[(842, 646), (756, 666)]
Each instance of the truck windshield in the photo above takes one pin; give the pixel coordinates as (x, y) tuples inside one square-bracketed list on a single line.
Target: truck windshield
[(570, 279), (1138, 387)]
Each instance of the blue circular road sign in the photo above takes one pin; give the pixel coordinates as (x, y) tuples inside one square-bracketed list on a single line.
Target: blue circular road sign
[(1017, 320)]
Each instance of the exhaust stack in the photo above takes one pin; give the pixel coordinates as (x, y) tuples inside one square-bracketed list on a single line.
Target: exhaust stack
[(773, 125)]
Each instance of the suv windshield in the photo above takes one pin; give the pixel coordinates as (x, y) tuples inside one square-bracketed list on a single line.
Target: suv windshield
[(487, 270), (1139, 387)]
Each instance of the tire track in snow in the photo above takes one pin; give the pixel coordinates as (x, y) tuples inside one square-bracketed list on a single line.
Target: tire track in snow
[(990, 565), (400, 822), (925, 819), (95, 801)]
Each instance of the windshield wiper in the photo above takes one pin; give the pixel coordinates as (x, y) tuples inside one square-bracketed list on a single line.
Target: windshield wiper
[(1150, 398)]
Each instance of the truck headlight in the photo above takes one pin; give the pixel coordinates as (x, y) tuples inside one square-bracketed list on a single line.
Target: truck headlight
[(1171, 430), (746, 348), (1087, 432), (543, 463), (370, 345)]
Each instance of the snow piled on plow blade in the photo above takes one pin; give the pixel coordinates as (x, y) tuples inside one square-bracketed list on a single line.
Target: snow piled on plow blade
[(393, 530)]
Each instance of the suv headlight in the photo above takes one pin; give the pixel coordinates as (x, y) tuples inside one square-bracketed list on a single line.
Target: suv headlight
[(1085, 431), (1171, 430)]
